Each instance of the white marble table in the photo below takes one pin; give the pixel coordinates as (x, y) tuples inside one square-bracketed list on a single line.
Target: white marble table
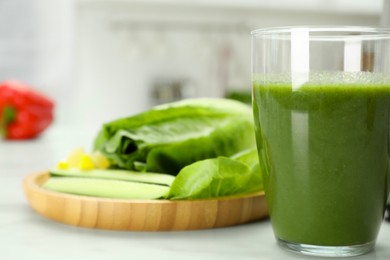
[(26, 235)]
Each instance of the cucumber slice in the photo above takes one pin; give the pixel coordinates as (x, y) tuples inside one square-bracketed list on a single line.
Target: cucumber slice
[(106, 188), (152, 178)]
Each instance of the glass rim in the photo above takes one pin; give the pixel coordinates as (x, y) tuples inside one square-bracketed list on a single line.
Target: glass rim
[(332, 33)]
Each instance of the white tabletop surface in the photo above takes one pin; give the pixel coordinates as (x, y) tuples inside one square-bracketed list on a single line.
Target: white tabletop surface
[(24, 234)]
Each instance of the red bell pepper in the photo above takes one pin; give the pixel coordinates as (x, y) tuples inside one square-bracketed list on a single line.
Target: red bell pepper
[(24, 112)]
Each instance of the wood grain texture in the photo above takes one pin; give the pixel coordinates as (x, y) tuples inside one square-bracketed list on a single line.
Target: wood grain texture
[(142, 215)]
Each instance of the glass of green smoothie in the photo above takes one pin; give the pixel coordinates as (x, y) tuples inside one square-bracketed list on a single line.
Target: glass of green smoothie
[(321, 101)]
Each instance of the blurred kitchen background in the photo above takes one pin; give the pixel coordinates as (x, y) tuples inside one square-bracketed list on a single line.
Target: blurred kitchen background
[(104, 59)]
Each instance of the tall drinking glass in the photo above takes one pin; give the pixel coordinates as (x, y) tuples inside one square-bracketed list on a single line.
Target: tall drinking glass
[(321, 101)]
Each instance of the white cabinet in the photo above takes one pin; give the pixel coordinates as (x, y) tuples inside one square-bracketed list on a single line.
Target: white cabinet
[(124, 49)]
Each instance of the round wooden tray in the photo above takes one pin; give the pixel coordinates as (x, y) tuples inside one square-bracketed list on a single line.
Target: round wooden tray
[(142, 215)]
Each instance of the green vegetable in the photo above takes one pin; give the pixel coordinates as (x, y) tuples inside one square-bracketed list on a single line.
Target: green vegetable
[(152, 178), (192, 137), (249, 156), (210, 178), (106, 188), (240, 95), (169, 137), (218, 177)]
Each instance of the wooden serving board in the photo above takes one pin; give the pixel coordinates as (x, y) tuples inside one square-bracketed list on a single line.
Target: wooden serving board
[(141, 215)]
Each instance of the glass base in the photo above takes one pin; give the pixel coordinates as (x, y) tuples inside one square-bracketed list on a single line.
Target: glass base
[(327, 251)]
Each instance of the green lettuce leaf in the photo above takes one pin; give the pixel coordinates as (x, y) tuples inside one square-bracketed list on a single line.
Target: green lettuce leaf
[(169, 137), (218, 177)]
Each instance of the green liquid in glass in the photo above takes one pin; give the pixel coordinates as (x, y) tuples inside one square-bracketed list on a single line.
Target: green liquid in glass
[(324, 149)]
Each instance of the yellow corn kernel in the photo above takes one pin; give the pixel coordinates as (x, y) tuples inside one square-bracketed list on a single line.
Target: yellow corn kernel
[(100, 160), (63, 165), (86, 162)]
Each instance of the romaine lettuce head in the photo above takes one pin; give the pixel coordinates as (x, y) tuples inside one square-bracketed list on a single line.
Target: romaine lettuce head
[(169, 137)]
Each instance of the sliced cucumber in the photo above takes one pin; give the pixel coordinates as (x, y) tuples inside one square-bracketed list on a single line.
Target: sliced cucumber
[(152, 178), (106, 188)]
